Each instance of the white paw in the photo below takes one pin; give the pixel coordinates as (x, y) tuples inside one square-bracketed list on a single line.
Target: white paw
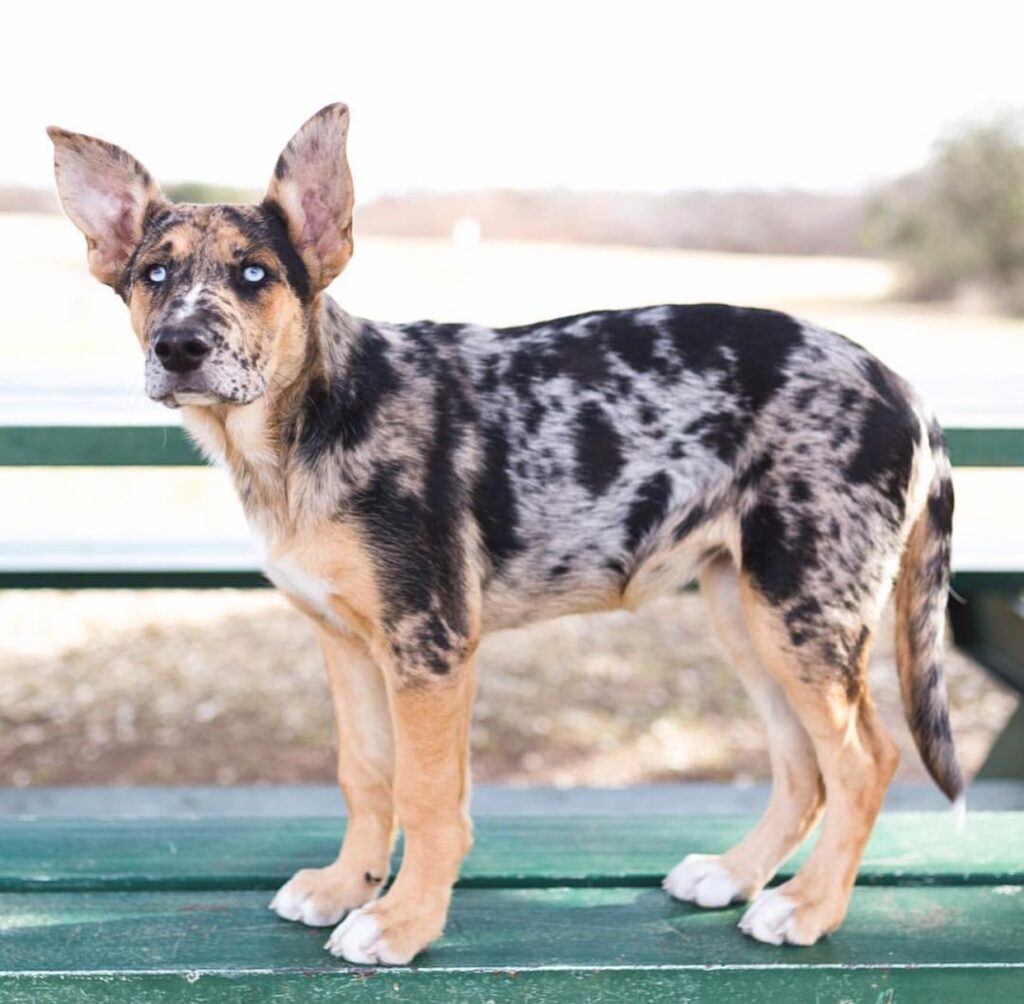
[(769, 918), (294, 903), (702, 879), (358, 939)]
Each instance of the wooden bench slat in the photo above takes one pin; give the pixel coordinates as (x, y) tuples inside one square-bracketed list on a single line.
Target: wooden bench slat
[(75, 419), (906, 848), (981, 447), (540, 944), (122, 564), (169, 446)]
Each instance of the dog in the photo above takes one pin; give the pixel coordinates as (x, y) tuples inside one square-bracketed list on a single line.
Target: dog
[(413, 486)]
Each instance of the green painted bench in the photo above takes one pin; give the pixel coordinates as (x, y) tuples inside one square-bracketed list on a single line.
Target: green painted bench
[(547, 909), (552, 908)]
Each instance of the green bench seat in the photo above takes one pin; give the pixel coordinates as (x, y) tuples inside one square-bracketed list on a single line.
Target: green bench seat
[(547, 909)]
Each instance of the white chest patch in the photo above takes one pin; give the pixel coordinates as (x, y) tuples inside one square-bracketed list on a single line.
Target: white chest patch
[(291, 578)]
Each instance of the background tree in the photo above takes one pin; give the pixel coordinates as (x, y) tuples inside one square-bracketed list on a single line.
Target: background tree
[(959, 222)]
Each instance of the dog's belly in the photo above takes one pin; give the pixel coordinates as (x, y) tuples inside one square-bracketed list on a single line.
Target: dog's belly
[(529, 593)]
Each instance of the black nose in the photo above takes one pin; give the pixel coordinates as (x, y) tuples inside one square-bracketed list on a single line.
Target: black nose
[(180, 349)]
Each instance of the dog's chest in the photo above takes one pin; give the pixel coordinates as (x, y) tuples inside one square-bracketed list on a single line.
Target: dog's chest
[(295, 581), (325, 572)]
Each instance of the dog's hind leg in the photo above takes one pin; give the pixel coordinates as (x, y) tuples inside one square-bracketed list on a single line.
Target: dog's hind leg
[(320, 897), (797, 794), (826, 687)]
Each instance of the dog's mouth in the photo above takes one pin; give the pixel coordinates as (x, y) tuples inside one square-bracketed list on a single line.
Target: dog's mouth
[(179, 398)]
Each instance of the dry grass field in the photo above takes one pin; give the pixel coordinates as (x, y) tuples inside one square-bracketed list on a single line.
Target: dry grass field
[(226, 687)]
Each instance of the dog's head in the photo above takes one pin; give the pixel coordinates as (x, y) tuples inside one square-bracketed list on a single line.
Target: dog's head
[(219, 295)]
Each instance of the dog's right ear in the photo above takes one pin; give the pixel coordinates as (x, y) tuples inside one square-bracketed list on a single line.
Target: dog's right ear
[(106, 193)]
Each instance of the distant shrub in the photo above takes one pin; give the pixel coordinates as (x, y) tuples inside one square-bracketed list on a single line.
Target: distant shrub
[(959, 222)]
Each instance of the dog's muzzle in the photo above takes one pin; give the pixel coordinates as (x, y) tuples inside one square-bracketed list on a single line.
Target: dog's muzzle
[(187, 365)]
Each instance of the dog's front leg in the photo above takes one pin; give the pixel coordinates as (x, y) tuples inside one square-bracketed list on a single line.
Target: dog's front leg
[(320, 897), (430, 715)]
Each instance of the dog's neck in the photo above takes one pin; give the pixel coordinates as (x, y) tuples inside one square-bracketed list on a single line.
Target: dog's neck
[(255, 442)]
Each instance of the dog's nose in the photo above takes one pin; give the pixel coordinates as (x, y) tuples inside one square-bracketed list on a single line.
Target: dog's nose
[(181, 350)]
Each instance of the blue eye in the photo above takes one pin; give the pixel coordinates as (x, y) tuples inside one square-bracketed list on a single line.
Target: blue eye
[(156, 273), (253, 273)]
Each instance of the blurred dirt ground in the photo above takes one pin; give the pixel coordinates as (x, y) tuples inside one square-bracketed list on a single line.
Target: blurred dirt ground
[(226, 687)]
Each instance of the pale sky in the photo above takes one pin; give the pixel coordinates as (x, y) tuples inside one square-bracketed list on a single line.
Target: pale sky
[(626, 96)]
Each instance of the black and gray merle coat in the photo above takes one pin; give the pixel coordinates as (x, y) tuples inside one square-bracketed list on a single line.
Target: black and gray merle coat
[(597, 460)]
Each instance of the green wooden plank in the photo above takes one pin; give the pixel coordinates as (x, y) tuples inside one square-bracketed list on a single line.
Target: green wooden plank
[(216, 578), (906, 848), (734, 985), (97, 446), (168, 445), (978, 581), (96, 578), (981, 447), (539, 944)]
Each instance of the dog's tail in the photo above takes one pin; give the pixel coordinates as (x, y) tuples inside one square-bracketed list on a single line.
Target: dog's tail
[(921, 592)]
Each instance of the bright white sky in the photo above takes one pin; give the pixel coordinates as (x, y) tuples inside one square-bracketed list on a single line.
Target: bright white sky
[(452, 95)]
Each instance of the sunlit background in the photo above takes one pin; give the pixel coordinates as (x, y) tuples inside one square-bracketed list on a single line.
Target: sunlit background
[(860, 165)]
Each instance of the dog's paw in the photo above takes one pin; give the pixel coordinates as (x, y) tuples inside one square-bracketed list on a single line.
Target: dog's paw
[(770, 918), (359, 939), (787, 915), (320, 897), (704, 880), (392, 931)]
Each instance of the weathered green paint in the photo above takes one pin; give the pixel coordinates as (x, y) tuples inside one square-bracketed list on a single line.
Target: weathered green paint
[(514, 851), (533, 944), (97, 445), (695, 985), (564, 909)]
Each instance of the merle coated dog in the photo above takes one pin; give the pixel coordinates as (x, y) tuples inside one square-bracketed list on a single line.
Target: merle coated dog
[(415, 485)]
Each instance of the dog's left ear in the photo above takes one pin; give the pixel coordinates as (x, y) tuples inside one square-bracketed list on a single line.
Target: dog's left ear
[(312, 191), (106, 193)]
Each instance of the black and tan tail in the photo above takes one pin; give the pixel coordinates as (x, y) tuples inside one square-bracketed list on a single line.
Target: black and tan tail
[(921, 593)]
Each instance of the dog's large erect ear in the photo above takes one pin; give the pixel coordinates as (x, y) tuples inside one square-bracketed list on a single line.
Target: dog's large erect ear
[(106, 193), (312, 190)]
